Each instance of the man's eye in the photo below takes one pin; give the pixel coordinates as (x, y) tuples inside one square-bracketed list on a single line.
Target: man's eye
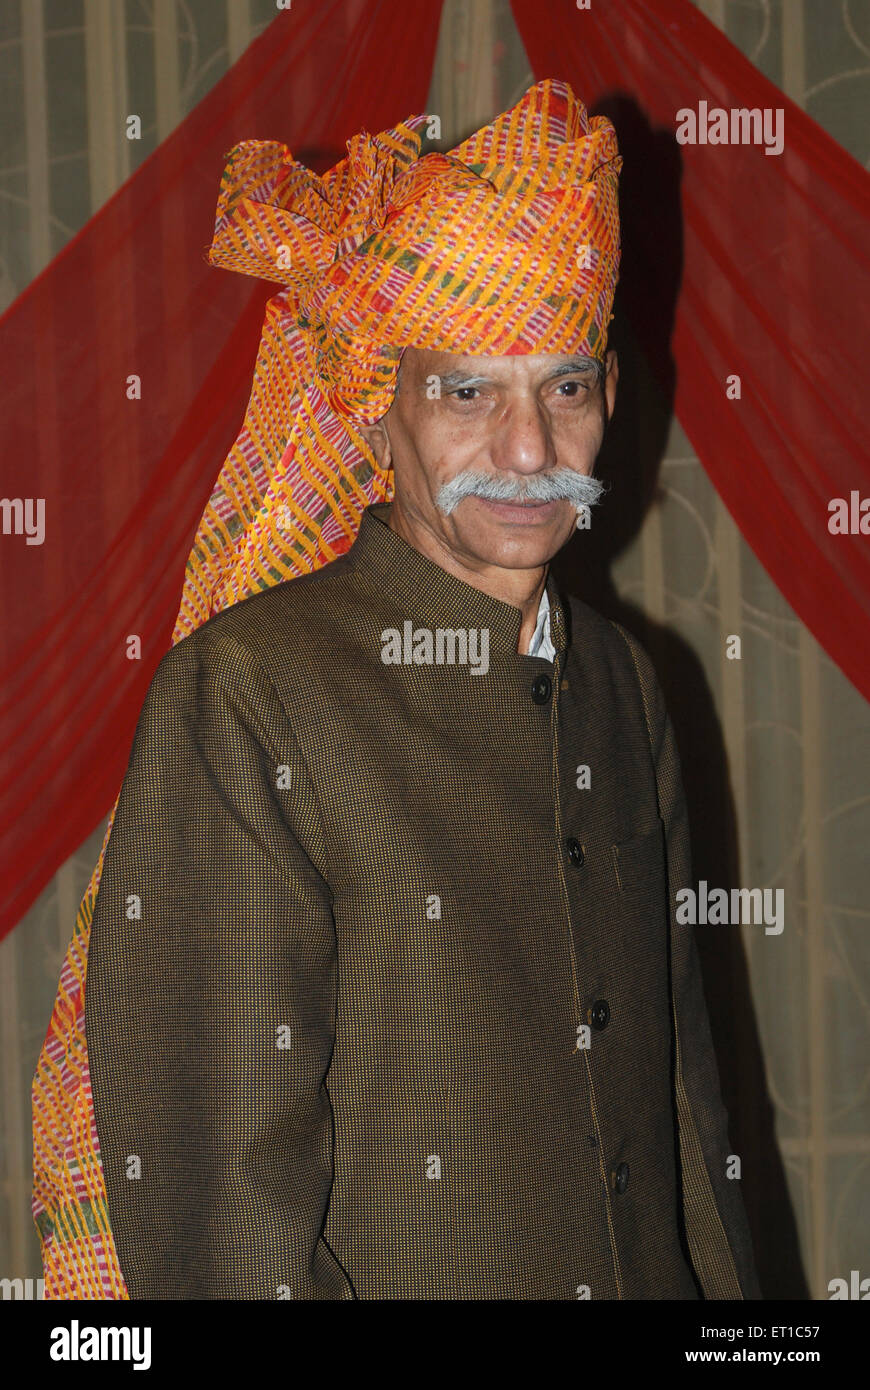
[(464, 393), (573, 388)]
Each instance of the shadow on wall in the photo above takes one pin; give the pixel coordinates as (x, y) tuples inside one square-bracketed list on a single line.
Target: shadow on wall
[(630, 462)]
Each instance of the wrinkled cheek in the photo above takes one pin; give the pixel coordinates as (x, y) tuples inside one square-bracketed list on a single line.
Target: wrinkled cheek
[(577, 443)]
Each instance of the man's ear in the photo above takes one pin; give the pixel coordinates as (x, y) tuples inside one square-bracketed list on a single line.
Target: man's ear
[(611, 363), (376, 437)]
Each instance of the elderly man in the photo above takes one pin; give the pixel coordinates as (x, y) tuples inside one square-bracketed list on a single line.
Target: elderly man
[(385, 996)]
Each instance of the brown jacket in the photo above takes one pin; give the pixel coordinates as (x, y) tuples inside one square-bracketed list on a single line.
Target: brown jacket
[(354, 920)]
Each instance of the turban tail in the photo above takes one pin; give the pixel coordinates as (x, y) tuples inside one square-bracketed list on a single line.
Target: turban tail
[(508, 244)]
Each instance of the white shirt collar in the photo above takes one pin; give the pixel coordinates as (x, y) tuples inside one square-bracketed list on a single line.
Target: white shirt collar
[(540, 645)]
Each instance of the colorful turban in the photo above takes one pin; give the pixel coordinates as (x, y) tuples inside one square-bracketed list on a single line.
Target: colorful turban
[(509, 244)]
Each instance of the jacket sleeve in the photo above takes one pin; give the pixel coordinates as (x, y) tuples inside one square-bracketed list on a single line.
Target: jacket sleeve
[(714, 1216), (210, 995)]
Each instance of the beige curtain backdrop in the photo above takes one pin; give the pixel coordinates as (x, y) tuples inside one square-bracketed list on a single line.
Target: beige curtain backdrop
[(775, 745)]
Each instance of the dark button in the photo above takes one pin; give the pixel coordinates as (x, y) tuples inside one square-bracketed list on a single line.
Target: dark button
[(599, 1014), (542, 689), (575, 851), (620, 1177)]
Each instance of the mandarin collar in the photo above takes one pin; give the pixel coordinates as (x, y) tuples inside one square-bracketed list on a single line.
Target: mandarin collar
[(431, 596)]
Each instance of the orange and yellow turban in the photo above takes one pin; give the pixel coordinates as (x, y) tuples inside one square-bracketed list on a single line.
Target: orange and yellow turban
[(508, 244)]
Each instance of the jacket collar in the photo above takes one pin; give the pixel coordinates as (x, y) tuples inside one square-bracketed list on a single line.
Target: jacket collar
[(430, 596)]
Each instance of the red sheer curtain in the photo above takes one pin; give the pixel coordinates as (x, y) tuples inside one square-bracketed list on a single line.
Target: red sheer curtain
[(124, 481), (772, 286)]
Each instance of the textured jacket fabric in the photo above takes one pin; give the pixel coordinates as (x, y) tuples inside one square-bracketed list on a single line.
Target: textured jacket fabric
[(355, 932)]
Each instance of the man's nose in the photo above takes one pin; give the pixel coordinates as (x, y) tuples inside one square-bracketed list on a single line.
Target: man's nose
[(523, 442)]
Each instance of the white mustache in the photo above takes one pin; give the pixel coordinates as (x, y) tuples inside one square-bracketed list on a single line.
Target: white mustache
[(578, 488)]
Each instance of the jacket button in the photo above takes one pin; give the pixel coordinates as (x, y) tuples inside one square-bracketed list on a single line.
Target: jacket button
[(575, 851), (620, 1177), (599, 1014), (542, 689)]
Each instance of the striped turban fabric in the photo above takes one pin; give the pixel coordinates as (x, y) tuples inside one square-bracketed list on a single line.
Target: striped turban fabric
[(508, 244)]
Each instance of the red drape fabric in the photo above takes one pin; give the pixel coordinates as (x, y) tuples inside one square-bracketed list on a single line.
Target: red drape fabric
[(772, 286), (122, 469)]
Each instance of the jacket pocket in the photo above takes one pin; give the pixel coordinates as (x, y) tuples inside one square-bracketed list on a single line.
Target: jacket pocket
[(642, 938), (640, 869)]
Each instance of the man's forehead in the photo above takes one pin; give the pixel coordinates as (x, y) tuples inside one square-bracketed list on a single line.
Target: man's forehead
[(454, 364)]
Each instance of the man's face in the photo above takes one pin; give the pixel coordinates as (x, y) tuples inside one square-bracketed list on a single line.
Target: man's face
[(524, 422)]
